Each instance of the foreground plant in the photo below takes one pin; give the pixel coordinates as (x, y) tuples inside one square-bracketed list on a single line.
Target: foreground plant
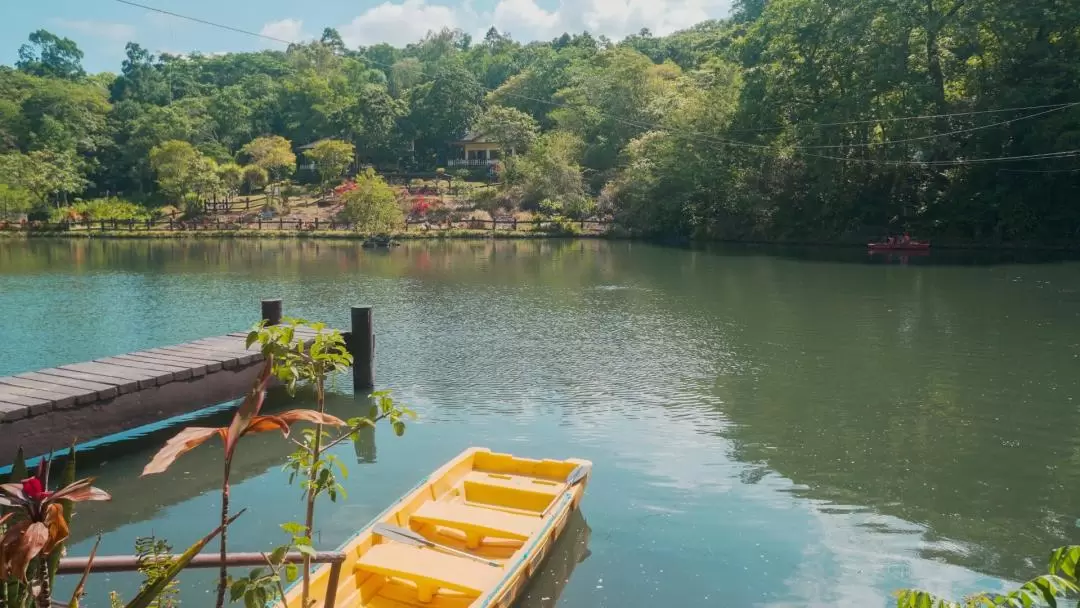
[(246, 420), (297, 362), (34, 528), (1047, 589)]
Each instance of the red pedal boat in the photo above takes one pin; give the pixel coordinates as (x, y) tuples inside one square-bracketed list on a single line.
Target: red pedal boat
[(899, 246)]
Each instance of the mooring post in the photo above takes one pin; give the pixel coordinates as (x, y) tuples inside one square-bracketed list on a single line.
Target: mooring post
[(271, 311), (362, 346)]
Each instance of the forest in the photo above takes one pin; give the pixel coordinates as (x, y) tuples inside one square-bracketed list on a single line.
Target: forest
[(788, 120)]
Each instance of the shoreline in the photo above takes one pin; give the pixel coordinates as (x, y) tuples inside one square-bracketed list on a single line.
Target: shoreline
[(343, 235), (474, 234)]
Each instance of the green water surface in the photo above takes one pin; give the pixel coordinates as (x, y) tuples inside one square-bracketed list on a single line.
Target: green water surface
[(769, 428)]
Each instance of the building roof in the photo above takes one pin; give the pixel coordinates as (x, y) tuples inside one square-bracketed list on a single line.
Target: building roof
[(475, 137)]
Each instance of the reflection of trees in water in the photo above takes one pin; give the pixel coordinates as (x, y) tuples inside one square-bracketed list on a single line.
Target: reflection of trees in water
[(571, 549), (364, 445), (118, 466), (901, 390)]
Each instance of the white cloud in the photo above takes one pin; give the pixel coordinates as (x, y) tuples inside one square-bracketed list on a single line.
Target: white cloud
[(524, 20), (401, 23), (291, 30), (106, 30)]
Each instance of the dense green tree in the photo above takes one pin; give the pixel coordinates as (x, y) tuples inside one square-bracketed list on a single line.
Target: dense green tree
[(46, 174), (49, 55), (332, 158), (372, 206), (255, 178), (13, 201), (231, 176), (793, 118), (440, 111), (511, 128), (177, 166), (274, 154), (140, 78)]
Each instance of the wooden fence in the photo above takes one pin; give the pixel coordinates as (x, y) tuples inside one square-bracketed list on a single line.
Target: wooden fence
[(283, 224)]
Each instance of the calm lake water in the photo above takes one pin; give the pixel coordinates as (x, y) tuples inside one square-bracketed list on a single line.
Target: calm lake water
[(769, 428)]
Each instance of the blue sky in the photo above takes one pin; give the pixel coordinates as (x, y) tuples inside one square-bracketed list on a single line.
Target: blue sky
[(102, 27)]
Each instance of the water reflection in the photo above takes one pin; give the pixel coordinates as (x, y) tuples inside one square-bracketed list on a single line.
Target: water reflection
[(840, 426), (571, 549), (364, 445)]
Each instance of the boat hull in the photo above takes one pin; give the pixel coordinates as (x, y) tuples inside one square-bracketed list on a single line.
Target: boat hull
[(506, 512)]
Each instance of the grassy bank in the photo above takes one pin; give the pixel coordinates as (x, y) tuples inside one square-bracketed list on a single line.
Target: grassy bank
[(456, 233)]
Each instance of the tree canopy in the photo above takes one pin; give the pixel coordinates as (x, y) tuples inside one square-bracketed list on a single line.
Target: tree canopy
[(791, 119)]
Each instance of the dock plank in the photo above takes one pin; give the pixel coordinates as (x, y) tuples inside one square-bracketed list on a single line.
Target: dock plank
[(122, 386), (103, 391), (33, 405), (165, 375), (103, 380), (203, 353), (232, 347), (207, 365), (12, 411), (59, 400), (143, 379), (173, 367), (81, 395)]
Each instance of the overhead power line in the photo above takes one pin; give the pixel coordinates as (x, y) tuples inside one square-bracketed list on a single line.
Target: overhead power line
[(746, 145)]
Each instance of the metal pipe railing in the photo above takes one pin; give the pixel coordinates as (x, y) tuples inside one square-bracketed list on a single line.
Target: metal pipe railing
[(130, 563)]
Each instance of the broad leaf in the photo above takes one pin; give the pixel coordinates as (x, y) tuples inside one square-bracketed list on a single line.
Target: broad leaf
[(312, 416), (56, 525), (80, 491), (184, 441), (248, 409)]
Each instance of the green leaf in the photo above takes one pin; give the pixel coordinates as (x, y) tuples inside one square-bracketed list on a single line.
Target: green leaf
[(399, 428), (373, 413), (237, 589), (147, 596), (306, 550), (278, 555), (292, 571)]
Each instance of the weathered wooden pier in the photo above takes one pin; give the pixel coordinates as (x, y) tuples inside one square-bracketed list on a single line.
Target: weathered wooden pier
[(50, 408)]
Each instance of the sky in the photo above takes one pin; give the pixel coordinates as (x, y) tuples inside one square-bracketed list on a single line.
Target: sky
[(102, 27)]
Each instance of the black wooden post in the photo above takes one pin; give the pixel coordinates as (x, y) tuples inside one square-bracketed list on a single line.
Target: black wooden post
[(362, 347), (515, 224), (281, 223), (271, 312), (260, 222), (103, 225), (316, 223)]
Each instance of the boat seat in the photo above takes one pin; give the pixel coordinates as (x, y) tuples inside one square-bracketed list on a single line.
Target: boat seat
[(515, 491), (477, 523), (429, 569)]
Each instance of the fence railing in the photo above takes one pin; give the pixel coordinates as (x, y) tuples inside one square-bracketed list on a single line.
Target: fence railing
[(131, 563), (471, 162), (298, 225)]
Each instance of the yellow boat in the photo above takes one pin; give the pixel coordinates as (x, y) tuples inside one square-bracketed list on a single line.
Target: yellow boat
[(484, 522)]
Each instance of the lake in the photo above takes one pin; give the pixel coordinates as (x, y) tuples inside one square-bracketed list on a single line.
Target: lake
[(769, 427)]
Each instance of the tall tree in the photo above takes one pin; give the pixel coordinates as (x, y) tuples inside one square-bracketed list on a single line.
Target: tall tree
[(52, 56), (274, 154), (332, 158)]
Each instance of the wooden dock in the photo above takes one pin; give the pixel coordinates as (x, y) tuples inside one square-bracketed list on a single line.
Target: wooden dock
[(48, 409)]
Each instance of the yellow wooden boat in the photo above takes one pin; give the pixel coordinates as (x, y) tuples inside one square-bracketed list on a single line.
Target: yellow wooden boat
[(487, 521)]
